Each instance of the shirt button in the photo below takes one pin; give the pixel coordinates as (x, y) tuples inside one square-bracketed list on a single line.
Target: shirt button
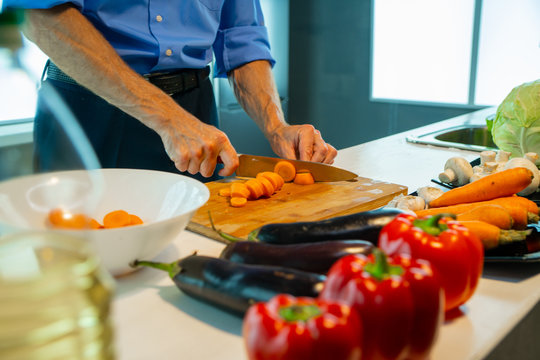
[(168, 52), (159, 18)]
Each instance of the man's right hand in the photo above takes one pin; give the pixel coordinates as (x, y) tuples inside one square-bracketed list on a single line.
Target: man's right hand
[(195, 146)]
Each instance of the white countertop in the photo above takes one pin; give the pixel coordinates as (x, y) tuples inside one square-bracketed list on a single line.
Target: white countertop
[(155, 320)]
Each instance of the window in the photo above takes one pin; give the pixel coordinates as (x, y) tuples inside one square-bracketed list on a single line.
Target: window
[(18, 89), (464, 52)]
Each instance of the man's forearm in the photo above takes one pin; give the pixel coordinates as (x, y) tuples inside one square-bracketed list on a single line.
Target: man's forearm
[(80, 50), (256, 91)]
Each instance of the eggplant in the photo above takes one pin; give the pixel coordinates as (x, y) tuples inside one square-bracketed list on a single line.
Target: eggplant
[(364, 225), (315, 257), (235, 287)]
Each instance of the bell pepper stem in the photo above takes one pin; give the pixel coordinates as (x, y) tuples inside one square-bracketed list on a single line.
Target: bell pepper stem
[(380, 268), (431, 224), (172, 268), (294, 313)]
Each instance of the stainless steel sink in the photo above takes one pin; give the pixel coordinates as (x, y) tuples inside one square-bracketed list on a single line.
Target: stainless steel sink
[(468, 137)]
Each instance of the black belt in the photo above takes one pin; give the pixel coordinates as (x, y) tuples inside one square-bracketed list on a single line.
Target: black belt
[(173, 82)]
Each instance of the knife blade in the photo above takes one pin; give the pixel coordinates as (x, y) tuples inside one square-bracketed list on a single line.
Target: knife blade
[(251, 165)]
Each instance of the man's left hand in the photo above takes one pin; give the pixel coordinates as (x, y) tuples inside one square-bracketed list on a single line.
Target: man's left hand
[(302, 142)]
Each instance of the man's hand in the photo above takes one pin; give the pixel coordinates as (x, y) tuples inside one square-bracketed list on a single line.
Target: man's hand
[(255, 89), (302, 142), (195, 147)]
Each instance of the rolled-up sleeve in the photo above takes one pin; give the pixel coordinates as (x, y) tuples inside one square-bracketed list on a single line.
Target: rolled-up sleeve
[(39, 4), (242, 36)]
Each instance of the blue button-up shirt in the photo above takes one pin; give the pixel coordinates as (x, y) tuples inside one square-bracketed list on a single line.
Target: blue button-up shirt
[(160, 35)]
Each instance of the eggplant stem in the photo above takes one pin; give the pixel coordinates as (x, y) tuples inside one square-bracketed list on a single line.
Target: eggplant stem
[(172, 268), (224, 235)]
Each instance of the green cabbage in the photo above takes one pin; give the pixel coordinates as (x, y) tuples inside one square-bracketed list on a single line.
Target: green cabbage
[(516, 127)]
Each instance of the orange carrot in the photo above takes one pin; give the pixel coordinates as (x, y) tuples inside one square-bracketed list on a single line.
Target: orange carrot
[(255, 188), (286, 170), (66, 220), (239, 189), (303, 177), (492, 236), (115, 219), (135, 220), (519, 213), (238, 201), (499, 184), (94, 224), (492, 214), (226, 191), (529, 204), (275, 179), (268, 188)]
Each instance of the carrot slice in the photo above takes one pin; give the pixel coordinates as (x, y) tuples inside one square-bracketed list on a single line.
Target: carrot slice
[(238, 201), (116, 218), (286, 170), (255, 188), (268, 188), (94, 224), (226, 191), (275, 179), (239, 190), (304, 177), (63, 219), (135, 220)]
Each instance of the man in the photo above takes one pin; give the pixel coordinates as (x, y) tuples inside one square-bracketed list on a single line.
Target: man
[(135, 74)]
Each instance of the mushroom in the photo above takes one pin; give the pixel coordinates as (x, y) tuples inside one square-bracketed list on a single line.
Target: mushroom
[(429, 193), (488, 168), (407, 202), (457, 171), (485, 157), (526, 163)]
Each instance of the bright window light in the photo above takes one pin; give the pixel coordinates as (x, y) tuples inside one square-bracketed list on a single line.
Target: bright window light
[(422, 50), (509, 50)]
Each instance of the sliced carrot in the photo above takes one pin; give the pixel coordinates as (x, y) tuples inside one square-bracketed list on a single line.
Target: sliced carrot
[(255, 188), (492, 214), (496, 185), (116, 218), (304, 177), (239, 189), (275, 179), (94, 224), (226, 191), (268, 188), (286, 170), (135, 220), (66, 220), (238, 201)]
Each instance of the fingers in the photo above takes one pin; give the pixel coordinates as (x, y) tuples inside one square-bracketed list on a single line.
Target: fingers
[(306, 143), (312, 147), (229, 157)]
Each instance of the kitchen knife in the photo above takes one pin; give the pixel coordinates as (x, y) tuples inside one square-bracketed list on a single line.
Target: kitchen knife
[(251, 165)]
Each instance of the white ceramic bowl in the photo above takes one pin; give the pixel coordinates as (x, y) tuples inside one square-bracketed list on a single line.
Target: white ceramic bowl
[(164, 201)]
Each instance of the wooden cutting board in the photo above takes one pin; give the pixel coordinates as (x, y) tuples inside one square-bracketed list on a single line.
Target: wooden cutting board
[(290, 204)]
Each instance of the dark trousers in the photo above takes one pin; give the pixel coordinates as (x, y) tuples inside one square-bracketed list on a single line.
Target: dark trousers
[(118, 140)]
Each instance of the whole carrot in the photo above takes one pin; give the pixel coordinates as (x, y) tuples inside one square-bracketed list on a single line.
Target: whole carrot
[(496, 185), (492, 214), (518, 209), (491, 236)]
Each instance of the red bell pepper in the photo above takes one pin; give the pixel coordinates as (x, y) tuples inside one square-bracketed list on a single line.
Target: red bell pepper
[(289, 328), (399, 301), (456, 254)]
